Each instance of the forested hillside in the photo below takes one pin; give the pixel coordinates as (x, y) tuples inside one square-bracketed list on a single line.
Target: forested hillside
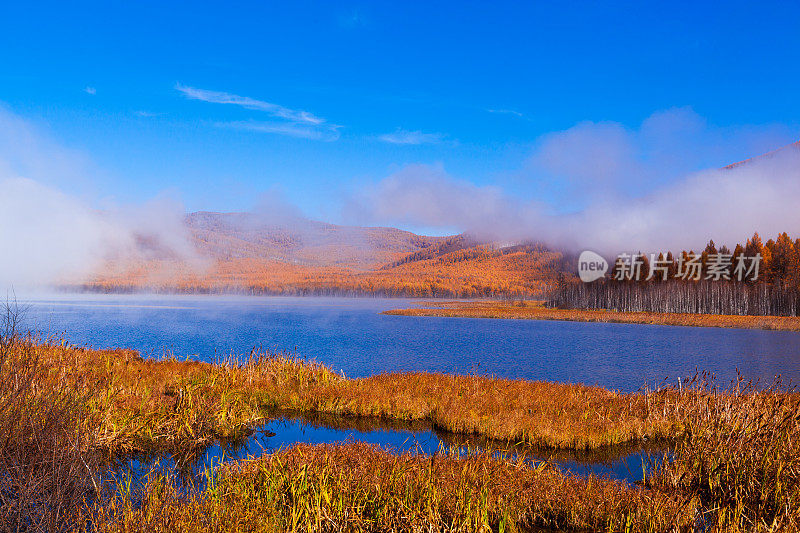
[(243, 253), (262, 254)]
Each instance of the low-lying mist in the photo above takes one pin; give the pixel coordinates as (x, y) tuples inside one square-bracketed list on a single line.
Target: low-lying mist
[(49, 235), (600, 186)]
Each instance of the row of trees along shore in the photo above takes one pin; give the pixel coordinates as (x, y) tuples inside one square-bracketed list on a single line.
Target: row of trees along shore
[(775, 292)]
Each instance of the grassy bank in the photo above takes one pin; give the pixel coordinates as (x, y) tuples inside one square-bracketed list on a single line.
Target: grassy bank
[(141, 405), (535, 310), (65, 410), (133, 404), (736, 468)]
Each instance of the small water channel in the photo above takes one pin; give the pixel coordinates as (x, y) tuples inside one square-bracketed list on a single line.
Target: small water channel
[(627, 463)]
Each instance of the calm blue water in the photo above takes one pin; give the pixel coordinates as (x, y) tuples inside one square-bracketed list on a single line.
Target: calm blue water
[(284, 432), (350, 335)]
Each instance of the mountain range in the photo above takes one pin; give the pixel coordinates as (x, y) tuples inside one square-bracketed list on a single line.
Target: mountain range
[(261, 254), (249, 253)]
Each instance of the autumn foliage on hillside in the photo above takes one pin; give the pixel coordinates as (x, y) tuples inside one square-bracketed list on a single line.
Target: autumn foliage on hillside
[(245, 255)]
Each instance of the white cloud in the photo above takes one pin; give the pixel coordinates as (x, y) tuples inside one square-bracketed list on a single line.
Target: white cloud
[(290, 122), (425, 195), (49, 234), (635, 189), (218, 97), (401, 136), (26, 150), (727, 205), (506, 112), (593, 160), (290, 129), (90, 90)]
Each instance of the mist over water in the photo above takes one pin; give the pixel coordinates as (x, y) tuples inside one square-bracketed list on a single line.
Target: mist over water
[(351, 336)]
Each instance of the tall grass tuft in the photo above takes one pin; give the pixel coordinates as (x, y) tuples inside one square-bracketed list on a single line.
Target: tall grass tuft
[(740, 457), (45, 470), (359, 487)]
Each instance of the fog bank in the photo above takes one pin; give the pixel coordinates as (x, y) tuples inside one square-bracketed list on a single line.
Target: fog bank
[(609, 188), (50, 231)]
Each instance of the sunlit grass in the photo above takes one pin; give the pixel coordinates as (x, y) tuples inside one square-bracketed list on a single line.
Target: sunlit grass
[(740, 458), (358, 487), (141, 404), (735, 465)]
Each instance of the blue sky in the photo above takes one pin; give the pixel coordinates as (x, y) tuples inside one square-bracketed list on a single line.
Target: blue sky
[(218, 103)]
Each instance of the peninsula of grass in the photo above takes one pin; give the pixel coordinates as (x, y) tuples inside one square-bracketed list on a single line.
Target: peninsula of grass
[(536, 310), (136, 404), (141, 405)]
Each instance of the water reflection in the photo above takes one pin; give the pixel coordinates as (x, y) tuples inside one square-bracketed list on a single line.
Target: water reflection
[(628, 463)]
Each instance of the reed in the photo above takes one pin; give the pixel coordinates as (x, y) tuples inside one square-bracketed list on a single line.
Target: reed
[(734, 467), (740, 458), (46, 469), (141, 405), (145, 405), (543, 414), (358, 487)]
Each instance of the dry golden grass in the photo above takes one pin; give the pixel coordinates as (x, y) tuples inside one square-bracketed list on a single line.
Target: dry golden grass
[(535, 310), (735, 466), (45, 470), (736, 470), (740, 458), (141, 404), (358, 487), (552, 415)]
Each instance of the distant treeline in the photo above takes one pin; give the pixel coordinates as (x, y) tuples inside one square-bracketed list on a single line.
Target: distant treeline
[(712, 297), (776, 291), (421, 290)]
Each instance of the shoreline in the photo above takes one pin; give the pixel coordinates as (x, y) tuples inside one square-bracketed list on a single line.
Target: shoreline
[(90, 408), (535, 310)]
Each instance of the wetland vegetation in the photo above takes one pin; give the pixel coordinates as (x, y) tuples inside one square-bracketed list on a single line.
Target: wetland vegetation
[(68, 413)]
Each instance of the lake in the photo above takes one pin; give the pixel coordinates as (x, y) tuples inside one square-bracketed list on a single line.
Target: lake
[(351, 336)]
